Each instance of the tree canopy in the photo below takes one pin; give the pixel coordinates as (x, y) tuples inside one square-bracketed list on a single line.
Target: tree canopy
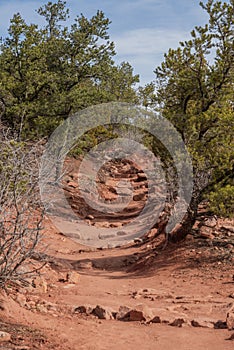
[(48, 73), (194, 90)]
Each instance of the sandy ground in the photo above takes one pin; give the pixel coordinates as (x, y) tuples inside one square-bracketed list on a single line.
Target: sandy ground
[(190, 281)]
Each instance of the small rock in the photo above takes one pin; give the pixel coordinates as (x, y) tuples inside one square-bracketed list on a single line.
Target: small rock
[(210, 222), (202, 323), (123, 310), (91, 217), (73, 277), (84, 309), (4, 336), (104, 224), (139, 313), (72, 184), (21, 300), (139, 197), (228, 228), (178, 322), (138, 240), (229, 246), (41, 308), (116, 224), (142, 176), (156, 319), (40, 284), (206, 232), (105, 236), (152, 233), (121, 233), (231, 337), (220, 325), (134, 315), (103, 313), (230, 318)]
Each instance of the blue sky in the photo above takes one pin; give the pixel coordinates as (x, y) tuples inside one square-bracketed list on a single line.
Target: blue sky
[(143, 30)]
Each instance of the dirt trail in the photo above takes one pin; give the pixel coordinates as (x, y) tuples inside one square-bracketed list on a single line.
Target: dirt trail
[(177, 283), (147, 298)]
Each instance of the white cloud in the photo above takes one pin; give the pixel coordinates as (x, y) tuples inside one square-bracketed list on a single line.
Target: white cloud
[(144, 48), (147, 41), (137, 26)]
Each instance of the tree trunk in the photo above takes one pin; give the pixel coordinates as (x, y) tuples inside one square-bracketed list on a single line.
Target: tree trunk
[(181, 230)]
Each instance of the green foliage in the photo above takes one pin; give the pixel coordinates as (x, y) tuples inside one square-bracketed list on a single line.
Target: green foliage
[(222, 201), (91, 139), (47, 74), (195, 92)]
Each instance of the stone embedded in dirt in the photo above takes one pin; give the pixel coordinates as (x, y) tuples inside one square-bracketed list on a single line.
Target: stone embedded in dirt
[(21, 299), (123, 310), (116, 224), (41, 308), (139, 197), (228, 228), (202, 323), (121, 233), (156, 319), (152, 233), (220, 324), (142, 176), (4, 336), (105, 236), (210, 222), (73, 277), (206, 232), (103, 313), (84, 309), (230, 318), (138, 240), (231, 337), (40, 284), (72, 184), (134, 315), (178, 322), (104, 224), (139, 313), (145, 293), (90, 217)]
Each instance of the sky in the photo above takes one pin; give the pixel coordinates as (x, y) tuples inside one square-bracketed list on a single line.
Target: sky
[(143, 30)]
